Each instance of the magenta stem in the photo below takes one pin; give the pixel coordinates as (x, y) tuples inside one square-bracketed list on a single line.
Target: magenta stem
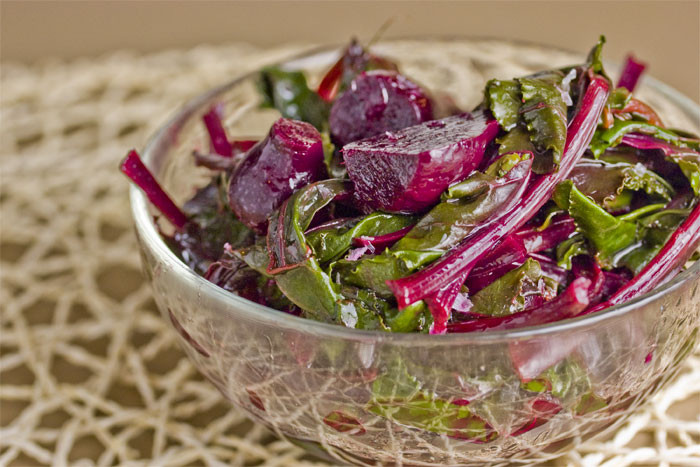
[(631, 73), (665, 265), (463, 258), (382, 241), (566, 305), (217, 135), (133, 167)]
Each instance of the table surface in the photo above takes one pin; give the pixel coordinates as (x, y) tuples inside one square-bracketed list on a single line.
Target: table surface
[(89, 373)]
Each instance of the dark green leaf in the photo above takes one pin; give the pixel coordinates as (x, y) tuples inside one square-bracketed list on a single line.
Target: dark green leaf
[(544, 111), (330, 244), (288, 92), (516, 140), (286, 242), (654, 231), (414, 317), (272, 294), (362, 309), (372, 272), (367, 310), (398, 396), (504, 99), (332, 158), (604, 139), (310, 288), (568, 381), (690, 166), (618, 98), (611, 184), (569, 249), (606, 233), (511, 292), (464, 206), (594, 61), (295, 269)]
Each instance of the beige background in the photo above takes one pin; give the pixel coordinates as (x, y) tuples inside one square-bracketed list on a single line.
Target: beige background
[(665, 34)]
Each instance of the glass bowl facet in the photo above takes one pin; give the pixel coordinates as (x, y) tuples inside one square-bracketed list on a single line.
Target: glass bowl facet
[(447, 399)]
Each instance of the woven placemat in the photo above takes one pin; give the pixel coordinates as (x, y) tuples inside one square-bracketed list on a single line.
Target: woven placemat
[(89, 372)]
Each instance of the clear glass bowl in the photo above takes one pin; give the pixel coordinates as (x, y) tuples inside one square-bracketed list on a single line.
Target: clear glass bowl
[(312, 383)]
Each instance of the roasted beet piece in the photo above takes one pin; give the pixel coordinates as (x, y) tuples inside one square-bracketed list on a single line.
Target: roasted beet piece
[(378, 101), (406, 171), (290, 157)]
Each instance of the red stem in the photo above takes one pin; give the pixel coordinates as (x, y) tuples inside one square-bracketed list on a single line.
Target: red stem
[(463, 258), (217, 134), (134, 168), (381, 241), (665, 265), (631, 73), (566, 305), (330, 84)]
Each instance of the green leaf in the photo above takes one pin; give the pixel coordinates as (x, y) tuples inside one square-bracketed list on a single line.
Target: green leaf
[(398, 396), (569, 249), (509, 294), (516, 140), (372, 272), (288, 256), (288, 92), (286, 242), (332, 158), (611, 184), (415, 317), (690, 166), (594, 61), (544, 111), (330, 244), (465, 206), (309, 288), (362, 311), (618, 98), (569, 382), (654, 231), (504, 99), (214, 225), (604, 139), (606, 233), (273, 295), (295, 269)]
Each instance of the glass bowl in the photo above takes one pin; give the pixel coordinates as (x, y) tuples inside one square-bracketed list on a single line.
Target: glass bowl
[(370, 397)]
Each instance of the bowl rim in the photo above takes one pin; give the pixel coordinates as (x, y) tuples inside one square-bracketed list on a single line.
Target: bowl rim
[(151, 238)]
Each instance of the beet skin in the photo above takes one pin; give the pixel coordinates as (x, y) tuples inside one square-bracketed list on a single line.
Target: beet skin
[(290, 157), (406, 171), (378, 101)]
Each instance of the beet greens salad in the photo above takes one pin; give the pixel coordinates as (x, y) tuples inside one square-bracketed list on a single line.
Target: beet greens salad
[(375, 204)]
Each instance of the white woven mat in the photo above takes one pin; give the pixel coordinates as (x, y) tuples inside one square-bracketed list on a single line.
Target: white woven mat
[(89, 373)]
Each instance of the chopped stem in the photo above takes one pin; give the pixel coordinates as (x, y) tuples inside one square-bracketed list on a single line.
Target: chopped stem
[(671, 259), (217, 134), (452, 266), (631, 73), (133, 167), (566, 305)]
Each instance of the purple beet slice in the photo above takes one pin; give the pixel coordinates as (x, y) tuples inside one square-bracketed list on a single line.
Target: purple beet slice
[(290, 157), (378, 101), (406, 171)]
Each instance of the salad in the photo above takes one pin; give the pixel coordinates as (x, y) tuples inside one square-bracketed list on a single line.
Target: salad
[(374, 203)]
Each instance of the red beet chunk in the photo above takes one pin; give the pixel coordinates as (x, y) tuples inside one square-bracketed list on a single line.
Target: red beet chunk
[(406, 171), (290, 157), (378, 101)]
